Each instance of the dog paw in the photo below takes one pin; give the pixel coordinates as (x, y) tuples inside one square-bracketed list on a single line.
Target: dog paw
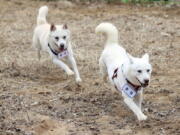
[(70, 72), (78, 80), (143, 117)]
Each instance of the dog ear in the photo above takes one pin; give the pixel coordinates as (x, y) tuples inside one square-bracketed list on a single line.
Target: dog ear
[(130, 58), (53, 27), (145, 57), (65, 26)]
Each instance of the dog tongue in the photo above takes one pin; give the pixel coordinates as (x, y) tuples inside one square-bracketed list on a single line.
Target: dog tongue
[(61, 49)]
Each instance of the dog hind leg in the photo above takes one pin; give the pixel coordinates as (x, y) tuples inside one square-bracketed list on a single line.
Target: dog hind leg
[(103, 69), (39, 54), (37, 46)]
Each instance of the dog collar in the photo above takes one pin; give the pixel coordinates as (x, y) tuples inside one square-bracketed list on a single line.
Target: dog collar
[(136, 87), (115, 75), (54, 52)]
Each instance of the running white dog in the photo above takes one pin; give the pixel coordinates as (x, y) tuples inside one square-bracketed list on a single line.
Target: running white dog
[(54, 39), (128, 74)]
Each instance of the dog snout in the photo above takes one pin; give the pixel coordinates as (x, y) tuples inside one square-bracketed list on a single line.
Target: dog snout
[(146, 81), (62, 45)]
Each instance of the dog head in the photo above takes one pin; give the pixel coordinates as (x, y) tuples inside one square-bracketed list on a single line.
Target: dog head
[(139, 71), (59, 36)]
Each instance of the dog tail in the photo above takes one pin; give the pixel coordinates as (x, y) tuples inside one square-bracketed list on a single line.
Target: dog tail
[(110, 30), (41, 18)]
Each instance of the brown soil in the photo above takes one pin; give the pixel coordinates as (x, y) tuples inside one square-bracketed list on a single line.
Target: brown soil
[(36, 97)]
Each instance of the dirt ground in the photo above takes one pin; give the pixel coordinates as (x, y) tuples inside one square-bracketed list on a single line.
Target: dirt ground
[(37, 98)]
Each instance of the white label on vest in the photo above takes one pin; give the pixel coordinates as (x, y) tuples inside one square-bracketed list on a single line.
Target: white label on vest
[(129, 90), (63, 54)]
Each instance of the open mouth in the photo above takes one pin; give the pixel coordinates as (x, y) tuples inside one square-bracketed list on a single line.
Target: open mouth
[(61, 49), (142, 84)]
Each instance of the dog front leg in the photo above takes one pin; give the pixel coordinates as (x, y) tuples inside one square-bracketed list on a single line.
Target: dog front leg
[(132, 105), (139, 98), (63, 66), (74, 65)]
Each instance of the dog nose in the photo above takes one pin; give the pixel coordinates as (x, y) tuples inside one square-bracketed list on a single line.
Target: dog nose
[(62, 45), (146, 81)]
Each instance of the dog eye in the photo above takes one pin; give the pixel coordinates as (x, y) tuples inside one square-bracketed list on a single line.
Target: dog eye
[(139, 71), (64, 37), (57, 38), (148, 70)]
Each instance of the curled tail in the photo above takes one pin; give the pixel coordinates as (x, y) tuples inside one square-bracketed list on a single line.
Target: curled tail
[(110, 30), (41, 18)]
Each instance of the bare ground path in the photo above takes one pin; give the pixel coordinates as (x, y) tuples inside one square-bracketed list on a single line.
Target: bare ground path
[(38, 98)]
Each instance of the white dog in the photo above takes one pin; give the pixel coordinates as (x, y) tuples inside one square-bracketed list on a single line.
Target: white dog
[(128, 74), (54, 39)]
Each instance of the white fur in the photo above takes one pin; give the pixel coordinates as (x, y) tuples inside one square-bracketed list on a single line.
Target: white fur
[(114, 56), (41, 18), (44, 35)]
